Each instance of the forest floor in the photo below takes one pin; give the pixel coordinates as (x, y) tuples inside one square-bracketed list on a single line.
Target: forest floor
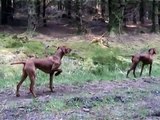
[(127, 99), (135, 99)]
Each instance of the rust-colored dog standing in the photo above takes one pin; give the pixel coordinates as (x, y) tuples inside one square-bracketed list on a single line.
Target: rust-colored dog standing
[(145, 58), (49, 65)]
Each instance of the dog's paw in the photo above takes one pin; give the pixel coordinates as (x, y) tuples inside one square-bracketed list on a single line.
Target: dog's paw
[(57, 73)]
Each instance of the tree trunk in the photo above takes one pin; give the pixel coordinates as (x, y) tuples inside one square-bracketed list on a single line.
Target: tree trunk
[(155, 21), (142, 11), (14, 5), (115, 15), (44, 13), (60, 5), (9, 11), (68, 8), (125, 16), (135, 17), (38, 8), (6, 11), (32, 21), (78, 11), (103, 9), (159, 13), (3, 12)]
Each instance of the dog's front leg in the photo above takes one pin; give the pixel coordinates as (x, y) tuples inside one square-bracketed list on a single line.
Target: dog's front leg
[(55, 68), (58, 72), (150, 69), (142, 69), (51, 82)]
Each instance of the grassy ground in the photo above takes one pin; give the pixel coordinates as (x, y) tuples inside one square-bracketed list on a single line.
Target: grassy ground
[(87, 64)]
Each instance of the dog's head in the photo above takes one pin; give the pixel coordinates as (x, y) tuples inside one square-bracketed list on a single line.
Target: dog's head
[(152, 51), (65, 49)]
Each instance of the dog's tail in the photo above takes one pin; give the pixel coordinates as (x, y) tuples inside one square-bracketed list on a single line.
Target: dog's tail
[(22, 62), (132, 57)]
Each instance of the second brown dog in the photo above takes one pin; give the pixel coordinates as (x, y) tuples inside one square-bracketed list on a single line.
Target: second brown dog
[(145, 58), (49, 65)]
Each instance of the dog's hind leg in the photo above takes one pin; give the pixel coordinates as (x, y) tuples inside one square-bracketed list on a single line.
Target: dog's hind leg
[(32, 77), (24, 76), (134, 69), (131, 68), (128, 72)]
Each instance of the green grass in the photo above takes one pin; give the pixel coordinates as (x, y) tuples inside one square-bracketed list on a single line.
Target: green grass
[(55, 105), (87, 62)]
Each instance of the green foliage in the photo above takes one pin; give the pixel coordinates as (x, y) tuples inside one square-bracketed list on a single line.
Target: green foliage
[(8, 42), (13, 44), (28, 47)]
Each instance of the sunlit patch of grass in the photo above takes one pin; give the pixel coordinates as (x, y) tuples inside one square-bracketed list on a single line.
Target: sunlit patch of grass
[(28, 47), (8, 77), (55, 105), (34, 47)]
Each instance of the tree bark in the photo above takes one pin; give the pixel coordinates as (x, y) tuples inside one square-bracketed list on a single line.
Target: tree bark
[(38, 8), (135, 17), (78, 11), (32, 21), (3, 12), (142, 11), (155, 21), (60, 5), (6, 11), (44, 13), (103, 9), (115, 15), (68, 8)]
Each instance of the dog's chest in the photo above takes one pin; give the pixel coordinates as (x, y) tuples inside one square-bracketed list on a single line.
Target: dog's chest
[(46, 66), (146, 60)]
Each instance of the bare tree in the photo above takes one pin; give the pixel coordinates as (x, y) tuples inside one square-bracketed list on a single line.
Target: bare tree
[(142, 11), (155, 21), (116, 10), (60, 5), (103, 8), (32, 19), (68, 6), (6, 11), (44, 13), (38, 8)]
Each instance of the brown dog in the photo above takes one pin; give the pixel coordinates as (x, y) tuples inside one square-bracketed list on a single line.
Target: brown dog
[(49, 65), (145, 58)]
